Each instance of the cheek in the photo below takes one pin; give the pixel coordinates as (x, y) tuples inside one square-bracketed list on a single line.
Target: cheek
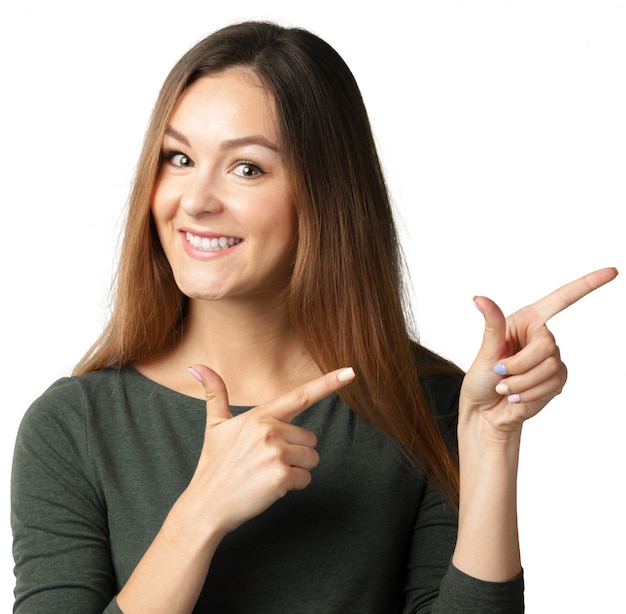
[(271, 214), (286, 214), (283, 224), (162, 202)]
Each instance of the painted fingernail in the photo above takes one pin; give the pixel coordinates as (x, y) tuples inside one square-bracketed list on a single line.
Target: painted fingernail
[(345, 375), (499, 369), (195, 374), (513, 398), (503, 388)]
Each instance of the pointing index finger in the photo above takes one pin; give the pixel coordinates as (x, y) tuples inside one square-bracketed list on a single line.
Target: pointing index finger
[(568, 294), (289, 405)]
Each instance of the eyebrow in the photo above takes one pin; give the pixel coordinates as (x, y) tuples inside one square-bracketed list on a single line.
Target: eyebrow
[(228, 144)]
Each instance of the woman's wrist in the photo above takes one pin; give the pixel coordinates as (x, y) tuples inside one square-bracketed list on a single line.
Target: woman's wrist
[(193, 525), (487, 432)]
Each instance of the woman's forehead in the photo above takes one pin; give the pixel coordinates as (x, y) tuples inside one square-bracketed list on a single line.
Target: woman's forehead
[(233, 102)]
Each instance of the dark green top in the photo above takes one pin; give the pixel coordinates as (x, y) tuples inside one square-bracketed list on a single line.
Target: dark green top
[(101, 458)]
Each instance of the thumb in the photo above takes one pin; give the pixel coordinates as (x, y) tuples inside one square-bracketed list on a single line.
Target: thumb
[(217, 406), (493, 346)]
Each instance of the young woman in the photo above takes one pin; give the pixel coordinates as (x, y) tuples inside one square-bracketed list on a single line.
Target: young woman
[(334, 464)]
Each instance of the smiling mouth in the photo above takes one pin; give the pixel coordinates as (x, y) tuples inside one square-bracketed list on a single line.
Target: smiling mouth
[(212, 244)]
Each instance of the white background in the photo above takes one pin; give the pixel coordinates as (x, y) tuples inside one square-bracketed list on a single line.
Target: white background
[(502, 126)]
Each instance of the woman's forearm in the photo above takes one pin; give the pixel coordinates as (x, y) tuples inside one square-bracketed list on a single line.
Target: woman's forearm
[(488, 544), (172, 572)]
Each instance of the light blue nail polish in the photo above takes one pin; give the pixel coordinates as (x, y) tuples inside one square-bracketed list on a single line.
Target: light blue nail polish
[(499, 369)]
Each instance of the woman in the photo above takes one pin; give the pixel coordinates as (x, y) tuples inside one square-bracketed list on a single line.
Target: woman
[(260, 242)]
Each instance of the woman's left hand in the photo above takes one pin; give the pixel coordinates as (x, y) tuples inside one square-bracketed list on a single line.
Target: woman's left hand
[(518, 368)]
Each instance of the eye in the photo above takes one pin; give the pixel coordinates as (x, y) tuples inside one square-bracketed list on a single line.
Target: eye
[(178, 159), (248, 170)]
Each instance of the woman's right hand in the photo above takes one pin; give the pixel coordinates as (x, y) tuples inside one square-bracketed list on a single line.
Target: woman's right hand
[(250, 461)]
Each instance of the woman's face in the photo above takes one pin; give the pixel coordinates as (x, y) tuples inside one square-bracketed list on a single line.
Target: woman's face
[(222, 202)]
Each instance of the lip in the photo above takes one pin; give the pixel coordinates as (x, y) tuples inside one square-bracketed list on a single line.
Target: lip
[(200, 254)]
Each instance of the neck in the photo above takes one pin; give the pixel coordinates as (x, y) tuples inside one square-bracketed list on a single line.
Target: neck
[(218, 330), (252, 348)]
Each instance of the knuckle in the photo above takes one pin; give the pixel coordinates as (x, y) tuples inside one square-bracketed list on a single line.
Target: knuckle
[(304, 436), (278, 455), (548, 342), (553, 363), (210, 395), (302, 397), (265, 433), (556, 383), (306, 480), (315, 459), (265, 426), (282, 474)]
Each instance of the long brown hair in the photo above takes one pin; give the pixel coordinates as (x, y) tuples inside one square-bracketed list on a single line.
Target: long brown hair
[(346, 298)]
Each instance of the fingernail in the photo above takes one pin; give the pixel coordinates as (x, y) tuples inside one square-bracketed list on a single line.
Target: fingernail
[(345, 375), (513, 398), (195, 374), (499, 369), (503, 388)]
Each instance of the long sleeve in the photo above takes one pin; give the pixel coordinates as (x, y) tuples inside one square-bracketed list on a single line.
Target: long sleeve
[(99, 460), (435, 586), (61, 545)]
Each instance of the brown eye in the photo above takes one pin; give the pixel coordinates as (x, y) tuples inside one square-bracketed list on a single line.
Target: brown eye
[(179, 159), (248, 170)]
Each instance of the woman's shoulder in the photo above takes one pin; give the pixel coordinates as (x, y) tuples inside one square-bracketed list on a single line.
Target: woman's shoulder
[(440, 378), (440, 381), (76, 387), (70, 397)]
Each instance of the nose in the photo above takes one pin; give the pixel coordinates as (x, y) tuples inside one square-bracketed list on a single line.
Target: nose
[(201, 195)]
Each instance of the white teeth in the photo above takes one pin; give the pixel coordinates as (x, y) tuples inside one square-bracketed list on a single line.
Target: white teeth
[(211, 245)]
